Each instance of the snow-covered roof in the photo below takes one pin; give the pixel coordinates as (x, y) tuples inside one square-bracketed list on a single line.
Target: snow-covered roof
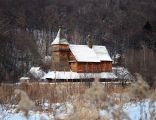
[(59, 39), (75, 75), (102, 53), (24, 78), (61, 75), (83, 53)]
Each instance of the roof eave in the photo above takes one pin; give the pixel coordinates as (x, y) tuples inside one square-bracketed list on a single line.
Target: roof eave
[(94, 61), (106, 61)]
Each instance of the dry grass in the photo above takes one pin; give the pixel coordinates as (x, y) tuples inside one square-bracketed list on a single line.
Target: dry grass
[(56, 92), (139, 89), (86, 101)]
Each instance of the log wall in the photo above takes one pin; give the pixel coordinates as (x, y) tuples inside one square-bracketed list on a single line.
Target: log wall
[(106, 66), (82, 67)]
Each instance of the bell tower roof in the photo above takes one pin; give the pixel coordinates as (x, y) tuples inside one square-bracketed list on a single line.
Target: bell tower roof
[(60, 39)]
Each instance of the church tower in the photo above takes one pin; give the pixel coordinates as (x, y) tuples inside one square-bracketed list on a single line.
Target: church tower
[(60, 53)]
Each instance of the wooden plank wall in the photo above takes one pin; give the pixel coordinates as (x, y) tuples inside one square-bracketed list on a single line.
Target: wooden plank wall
[(60, 58), (106, 66), (91, 67), (60, 48), (73, 66)]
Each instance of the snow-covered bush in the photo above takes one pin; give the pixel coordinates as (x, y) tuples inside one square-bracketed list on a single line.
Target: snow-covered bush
[(36, 72)]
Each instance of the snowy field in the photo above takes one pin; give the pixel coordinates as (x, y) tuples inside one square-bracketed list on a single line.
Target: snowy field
[(135, 111)]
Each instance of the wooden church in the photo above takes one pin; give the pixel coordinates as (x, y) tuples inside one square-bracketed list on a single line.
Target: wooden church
[(70, 61)]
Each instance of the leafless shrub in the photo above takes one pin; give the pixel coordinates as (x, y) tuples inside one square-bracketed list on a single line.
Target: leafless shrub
[(119, 114), (96, 93), (94, 99), (25, 104), (152, 107), (139, 89), (83, 110)]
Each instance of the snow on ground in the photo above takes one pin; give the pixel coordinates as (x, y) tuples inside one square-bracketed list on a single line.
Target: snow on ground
[(135, 111), (21, 116), (61, 110)]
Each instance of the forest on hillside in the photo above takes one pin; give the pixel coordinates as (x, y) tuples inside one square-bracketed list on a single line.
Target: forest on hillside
[(126, 27)]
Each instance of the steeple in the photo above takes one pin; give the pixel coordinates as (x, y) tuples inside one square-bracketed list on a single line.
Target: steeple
[(60, 39), (60, 52)]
